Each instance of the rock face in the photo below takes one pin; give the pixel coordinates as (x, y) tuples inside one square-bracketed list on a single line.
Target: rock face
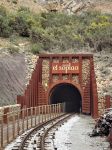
[(15, 71), (103, 70), (69, 6), (12, 78), (79, 6)]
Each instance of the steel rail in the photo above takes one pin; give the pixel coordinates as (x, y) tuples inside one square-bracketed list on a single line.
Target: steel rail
[(22, 145), (43, 137)]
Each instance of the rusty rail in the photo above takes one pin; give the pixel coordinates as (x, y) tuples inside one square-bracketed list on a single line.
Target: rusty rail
[(22, 145), (43, 137)]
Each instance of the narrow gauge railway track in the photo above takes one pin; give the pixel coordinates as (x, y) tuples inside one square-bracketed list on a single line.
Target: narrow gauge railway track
[(39, 138), (46, 141)]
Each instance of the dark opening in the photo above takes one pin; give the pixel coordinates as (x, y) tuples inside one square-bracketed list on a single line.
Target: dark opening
[(66, 93)]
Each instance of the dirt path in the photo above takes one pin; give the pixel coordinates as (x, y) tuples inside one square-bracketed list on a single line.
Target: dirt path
[(80, 139), (74, 135)]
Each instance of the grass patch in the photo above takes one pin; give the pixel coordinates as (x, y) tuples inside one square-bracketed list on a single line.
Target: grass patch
[(13, 49), (36, 48)]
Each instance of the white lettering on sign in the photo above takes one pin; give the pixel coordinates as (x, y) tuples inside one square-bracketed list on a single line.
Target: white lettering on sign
[(65, 68), (55, 67)]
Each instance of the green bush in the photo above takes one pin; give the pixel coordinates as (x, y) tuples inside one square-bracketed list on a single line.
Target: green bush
[(24, 9), (99, 32), (36, 48), (68, 32), (36, 34), (3, 11), (5, 29), (59, 30), (20, 24)]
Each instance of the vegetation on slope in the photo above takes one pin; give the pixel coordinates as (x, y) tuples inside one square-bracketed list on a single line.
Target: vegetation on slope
[(58, 31)]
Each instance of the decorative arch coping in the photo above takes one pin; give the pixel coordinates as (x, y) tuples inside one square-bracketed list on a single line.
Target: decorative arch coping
[(77, 86)]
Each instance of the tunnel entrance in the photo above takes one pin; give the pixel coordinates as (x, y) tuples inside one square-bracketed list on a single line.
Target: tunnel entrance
[(67, 93)]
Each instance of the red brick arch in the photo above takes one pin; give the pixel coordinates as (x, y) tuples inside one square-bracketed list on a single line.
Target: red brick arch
[(62, 82)]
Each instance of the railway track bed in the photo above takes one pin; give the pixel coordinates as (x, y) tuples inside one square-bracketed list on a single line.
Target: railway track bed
[(41, 137), (64, 133)]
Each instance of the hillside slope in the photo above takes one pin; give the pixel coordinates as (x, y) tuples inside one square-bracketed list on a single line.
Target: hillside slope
[(16, 69), (14, 5), (12, 78), (38, 6)]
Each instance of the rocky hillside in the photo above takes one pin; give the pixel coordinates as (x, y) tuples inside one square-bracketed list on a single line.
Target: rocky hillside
[(15, 72), (71, 6), (12, 77), (103, 70), (14, 5)]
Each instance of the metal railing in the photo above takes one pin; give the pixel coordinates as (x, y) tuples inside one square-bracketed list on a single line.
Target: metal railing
[(13, 124)]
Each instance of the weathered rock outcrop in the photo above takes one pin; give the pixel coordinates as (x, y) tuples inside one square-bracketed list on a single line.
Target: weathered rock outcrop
[(12, 78), (103, 70)]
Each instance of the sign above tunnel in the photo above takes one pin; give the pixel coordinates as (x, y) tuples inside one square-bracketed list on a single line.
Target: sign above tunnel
[(65, 68), (54, 70)]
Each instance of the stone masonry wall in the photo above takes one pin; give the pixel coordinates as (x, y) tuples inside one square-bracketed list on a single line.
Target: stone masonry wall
[(45, 73), (85, 71)]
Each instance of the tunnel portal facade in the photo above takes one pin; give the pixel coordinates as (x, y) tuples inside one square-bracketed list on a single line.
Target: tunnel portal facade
[(68, 78)]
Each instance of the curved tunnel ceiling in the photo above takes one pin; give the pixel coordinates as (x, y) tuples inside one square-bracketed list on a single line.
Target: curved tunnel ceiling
[(67, 93)]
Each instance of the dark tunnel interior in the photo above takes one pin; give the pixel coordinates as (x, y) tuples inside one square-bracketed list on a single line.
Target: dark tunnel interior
[(66, 93)]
